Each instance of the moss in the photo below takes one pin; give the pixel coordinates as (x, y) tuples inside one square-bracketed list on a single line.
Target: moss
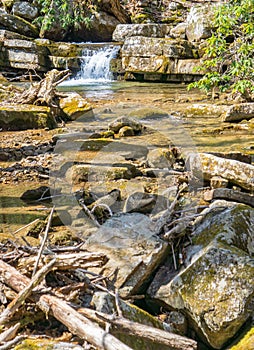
[(35, 344), (246, 343)]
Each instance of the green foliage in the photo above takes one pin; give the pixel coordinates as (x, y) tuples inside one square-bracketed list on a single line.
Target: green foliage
[(66, 12), (229, 53)]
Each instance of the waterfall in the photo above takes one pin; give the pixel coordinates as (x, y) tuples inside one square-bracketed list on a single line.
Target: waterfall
[(95, 66)]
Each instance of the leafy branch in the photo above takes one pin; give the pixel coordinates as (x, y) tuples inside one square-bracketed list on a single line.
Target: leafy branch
[(228, 59)]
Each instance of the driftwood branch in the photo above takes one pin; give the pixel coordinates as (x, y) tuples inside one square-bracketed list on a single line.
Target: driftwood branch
[(76, 323), (9, 333), (42, 92), (11, 343), (24, 294), (44, 240), (66, 261)]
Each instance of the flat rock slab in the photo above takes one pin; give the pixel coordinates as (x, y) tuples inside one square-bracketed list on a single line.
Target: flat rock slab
[(22, 117), (239, 112), (229, 194), (205, 166), (153, 30), (216, 291), (133, 252)]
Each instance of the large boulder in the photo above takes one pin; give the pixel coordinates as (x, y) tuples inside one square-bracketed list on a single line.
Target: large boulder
[(216, 291), (25, 10), (101, 28), (75, 106), (134, 252), (225, 222), (199, 23), (22, 117), (18, 25), (153, 30)]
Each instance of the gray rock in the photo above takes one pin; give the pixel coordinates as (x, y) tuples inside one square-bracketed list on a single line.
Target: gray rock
[(101, 28), (145, 203), (179, 31), (199, 23), (25, 10), (160, 158), (205, 166), (138, 46), (128, 241), (216, 291), (120, 122), (239, 112), (18, 25), (153, 30)]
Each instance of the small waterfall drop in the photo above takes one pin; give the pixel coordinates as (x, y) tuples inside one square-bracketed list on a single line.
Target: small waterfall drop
[(96, 64), (95, 67)]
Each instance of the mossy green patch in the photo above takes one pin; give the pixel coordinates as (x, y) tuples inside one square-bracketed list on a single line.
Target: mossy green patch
[(246, 343)]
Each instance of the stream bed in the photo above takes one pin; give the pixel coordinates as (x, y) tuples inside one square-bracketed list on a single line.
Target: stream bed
[(188, 118)]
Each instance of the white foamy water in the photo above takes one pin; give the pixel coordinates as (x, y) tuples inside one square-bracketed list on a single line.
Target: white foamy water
[(95, 66)]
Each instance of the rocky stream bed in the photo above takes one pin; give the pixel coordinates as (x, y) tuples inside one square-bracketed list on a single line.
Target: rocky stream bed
[(136, 220)]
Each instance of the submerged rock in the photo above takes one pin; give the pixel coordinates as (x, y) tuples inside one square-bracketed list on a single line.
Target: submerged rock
[(160, 158), (121, 122)]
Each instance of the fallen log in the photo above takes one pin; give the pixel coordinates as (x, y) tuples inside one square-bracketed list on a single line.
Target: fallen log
[(159, 336), (76, 323)]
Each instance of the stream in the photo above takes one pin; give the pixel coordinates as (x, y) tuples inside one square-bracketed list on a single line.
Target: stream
[(187, 118)]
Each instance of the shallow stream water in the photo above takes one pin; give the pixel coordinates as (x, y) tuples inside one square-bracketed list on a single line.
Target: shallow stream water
[(190, 120)]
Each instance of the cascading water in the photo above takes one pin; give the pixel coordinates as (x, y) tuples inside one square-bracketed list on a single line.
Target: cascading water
[(95, 65)]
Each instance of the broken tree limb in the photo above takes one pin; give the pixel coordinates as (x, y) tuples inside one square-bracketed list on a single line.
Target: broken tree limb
[(174, 341), (11, 343), (45, 237), (25, 292), (43, 92), (75, 322), (66, 261), (9, 333)]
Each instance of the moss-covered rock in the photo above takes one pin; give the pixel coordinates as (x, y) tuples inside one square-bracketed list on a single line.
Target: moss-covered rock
[(75, 106), (21, 117), (225, 222), (216, 290), (18, 25)]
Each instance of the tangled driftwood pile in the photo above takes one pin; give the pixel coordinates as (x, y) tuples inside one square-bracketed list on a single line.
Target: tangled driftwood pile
[(70, 265)]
